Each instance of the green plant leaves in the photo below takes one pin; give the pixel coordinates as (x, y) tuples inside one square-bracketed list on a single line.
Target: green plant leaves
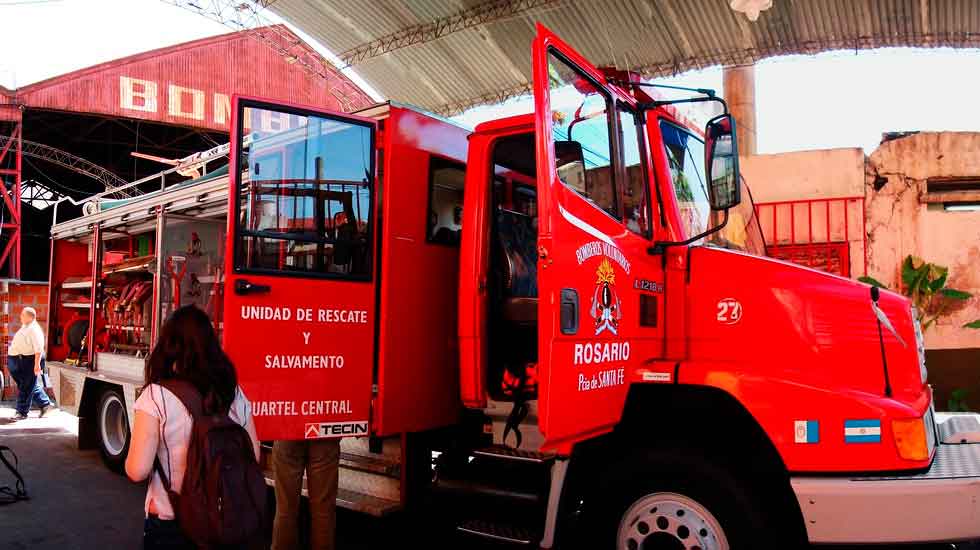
[(925, 284), (956, 294), (957, 400), (910, 273), (871, 281)]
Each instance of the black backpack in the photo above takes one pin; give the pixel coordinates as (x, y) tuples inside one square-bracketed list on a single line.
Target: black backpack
[(222, 499)]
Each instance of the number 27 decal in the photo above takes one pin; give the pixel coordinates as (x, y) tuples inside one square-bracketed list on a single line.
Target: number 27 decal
[(729, 311)]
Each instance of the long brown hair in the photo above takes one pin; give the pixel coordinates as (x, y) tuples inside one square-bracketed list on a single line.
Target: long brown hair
[(188, 349)]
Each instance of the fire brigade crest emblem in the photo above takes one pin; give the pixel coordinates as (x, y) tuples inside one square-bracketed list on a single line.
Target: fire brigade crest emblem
[(606, 308)]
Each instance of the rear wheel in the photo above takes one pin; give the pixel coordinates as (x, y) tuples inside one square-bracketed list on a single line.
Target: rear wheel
[(677, 501), (113, 429)]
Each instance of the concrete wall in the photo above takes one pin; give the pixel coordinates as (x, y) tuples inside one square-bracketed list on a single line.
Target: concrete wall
[(805, 174), (901, 223), (14, 296)]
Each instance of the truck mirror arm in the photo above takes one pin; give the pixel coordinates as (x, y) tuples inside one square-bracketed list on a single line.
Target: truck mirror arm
[(707, 93), (659, 247), (659, 103)]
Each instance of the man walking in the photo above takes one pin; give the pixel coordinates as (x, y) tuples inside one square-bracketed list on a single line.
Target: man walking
[(320, 458), (24, 361)]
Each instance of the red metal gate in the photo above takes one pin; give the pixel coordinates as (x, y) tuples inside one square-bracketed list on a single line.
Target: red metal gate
[(829, 257), (817, 233)]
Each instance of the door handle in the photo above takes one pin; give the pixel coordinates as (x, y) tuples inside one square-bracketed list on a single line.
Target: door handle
[(568, 318), (243, 287)]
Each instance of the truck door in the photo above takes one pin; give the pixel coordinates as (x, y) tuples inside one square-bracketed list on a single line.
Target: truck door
[(299, 294), (599, 295)]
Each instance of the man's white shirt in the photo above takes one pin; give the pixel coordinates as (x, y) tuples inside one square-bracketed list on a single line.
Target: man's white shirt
[(29, 340)]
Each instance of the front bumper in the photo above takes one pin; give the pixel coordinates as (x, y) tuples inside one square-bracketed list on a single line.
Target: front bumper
[(941, 504)]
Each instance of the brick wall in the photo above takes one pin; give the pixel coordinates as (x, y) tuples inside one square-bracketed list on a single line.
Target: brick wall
[(14, 296)]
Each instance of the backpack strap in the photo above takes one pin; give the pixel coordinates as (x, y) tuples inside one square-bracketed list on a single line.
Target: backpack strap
[(194, 403), (166, 484), (188, 395)]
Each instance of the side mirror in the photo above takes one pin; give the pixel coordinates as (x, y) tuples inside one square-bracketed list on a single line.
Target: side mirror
[(724, 191), (570, 164)]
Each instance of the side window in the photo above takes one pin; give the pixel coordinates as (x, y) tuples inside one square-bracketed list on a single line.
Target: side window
[(580, 123), (445, 201), (636, 206), (685, 156), (304, 195)]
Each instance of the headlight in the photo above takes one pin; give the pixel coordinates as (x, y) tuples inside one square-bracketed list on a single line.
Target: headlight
[(920, 345)]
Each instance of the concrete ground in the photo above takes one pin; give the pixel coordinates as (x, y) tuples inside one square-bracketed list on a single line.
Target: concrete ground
[(76, 503)]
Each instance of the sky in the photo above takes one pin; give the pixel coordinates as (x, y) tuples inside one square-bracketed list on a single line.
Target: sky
[(835, 99)]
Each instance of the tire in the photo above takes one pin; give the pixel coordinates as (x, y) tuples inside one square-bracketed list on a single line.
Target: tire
[(676, 500), (113, 428)]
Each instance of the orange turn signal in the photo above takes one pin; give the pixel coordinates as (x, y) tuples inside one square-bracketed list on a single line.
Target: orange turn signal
[(910, 439)]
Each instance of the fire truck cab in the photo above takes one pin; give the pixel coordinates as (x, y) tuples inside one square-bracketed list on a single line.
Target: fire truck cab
[(557, 329)]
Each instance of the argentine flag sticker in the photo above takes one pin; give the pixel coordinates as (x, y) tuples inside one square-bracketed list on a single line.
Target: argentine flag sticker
[(806, 431), (862, 431)]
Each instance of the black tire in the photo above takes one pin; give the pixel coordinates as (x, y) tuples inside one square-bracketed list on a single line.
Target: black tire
[(627, 497), (113, 428)]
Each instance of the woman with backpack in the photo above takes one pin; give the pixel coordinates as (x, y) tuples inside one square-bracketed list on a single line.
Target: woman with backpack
[(190, 415)]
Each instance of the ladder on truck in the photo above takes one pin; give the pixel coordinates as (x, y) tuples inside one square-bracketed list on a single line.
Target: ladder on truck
[(194, 194)]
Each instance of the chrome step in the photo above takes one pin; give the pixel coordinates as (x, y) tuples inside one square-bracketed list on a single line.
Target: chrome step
[(383, 464), (498, 532), (503, 452), (467, 487), (366, 504), (371, 464)]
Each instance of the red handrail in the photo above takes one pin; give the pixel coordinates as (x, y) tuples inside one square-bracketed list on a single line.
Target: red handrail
[(773, 237)]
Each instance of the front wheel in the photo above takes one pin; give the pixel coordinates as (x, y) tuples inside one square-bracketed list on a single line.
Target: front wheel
[(677, 501), (113, 429), (670, 520)]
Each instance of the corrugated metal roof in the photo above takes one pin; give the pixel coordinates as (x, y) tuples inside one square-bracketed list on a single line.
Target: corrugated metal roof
[(449, 55)]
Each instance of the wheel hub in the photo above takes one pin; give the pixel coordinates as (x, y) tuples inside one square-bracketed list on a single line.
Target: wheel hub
[(113, 426), (669, 521)]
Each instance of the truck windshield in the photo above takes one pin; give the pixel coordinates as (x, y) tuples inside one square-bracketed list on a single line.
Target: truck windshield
[(685, 156)]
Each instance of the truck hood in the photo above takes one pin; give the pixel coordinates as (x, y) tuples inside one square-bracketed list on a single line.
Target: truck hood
[(799, 325)]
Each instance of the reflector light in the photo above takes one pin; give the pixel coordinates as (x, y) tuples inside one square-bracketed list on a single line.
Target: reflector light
[(910, 439)]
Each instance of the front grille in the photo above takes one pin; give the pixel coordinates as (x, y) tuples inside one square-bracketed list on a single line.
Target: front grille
[(920, 345), (930, 422)]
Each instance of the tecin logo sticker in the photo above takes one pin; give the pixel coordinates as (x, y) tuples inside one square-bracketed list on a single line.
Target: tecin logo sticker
[(606, 306)]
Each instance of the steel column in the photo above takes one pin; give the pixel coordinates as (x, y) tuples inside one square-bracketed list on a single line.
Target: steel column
[(12, 149)]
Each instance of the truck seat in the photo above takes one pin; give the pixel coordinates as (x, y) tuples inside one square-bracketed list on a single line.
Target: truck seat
[(518, 238)]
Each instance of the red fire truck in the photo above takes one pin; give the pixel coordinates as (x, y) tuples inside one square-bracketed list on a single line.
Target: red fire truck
[(560, 327)]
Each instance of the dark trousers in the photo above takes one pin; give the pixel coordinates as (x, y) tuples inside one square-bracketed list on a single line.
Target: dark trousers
[(165, 534), (29, 390), (320, 459), (160, 534)]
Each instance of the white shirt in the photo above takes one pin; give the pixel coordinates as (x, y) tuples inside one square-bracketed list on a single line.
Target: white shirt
[(175, 435), (29, 340)]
